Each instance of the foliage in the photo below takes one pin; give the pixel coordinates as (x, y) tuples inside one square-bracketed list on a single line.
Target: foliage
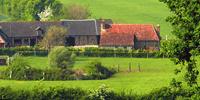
[(169, 93), (39, 93), (46, 14), (88, 52), (55, 36), (76, 11), (98, 71), (102, 93), (60, 57), (25, 51), (185, 22), (18, 67), (29, 9)]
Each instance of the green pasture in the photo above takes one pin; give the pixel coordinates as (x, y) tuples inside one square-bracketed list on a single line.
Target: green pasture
[(155, 73), (129, 11)]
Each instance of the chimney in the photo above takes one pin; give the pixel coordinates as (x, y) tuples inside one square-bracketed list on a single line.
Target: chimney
[(102, 22), (158, 28)]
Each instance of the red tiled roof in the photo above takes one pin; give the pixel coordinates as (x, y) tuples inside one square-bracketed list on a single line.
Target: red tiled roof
[(123, 34)]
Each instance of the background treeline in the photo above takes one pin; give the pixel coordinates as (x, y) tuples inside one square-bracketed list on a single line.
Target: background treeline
[(88, 52), (102, 93), (29, 9)]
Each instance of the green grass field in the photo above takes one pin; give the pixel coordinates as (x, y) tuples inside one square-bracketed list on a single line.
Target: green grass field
[(155, 73), (129, 11)]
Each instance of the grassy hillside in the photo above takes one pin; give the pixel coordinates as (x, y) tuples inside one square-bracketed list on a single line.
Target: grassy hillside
[(129, 11), (154, 71)]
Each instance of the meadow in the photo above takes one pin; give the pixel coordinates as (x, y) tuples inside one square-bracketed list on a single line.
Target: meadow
[(129, 11), (155, 73)]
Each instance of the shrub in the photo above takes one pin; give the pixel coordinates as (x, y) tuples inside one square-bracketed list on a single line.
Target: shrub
[(6, 93), (18, 68), (97, 71), (60, 57), (102, 93)]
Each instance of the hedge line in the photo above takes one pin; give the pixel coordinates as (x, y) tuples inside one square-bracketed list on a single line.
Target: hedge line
[(53, 74), (89, 52), (102, 93), (25, 52)]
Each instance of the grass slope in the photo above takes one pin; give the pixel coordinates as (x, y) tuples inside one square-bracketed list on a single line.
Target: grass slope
[(156, 73), (129, 11)]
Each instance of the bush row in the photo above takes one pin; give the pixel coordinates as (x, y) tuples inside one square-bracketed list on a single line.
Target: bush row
[(11, 52), (90, 52), (51, 75), (111, 52), (102, 93), (54, 74)]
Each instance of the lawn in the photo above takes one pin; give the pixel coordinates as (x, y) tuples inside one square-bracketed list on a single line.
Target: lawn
[(129, 11), (154, 71)]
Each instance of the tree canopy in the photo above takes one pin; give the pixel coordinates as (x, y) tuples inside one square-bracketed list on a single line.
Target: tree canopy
[(29, 9), (55, 36), (185, 20), (76, 11)]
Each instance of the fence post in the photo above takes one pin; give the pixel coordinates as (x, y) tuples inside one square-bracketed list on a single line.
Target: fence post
[(118, 68), (139, 69), (147, 55), (10, 75), (34, 52), (129, 67), (43, 76), (8, 61)]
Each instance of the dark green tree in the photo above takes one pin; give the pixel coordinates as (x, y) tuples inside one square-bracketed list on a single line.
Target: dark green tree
[(61, 57), (76, 11), (29, 9), (185, 20)]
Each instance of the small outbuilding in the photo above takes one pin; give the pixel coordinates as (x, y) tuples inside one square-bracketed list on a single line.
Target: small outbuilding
[(136, 36)]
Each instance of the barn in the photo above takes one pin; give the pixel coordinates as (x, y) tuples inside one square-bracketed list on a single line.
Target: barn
[(135, 36), (100, 32)]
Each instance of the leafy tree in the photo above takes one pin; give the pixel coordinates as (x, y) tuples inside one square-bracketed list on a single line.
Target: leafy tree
[(185, 20), (29, 9), (60, 57), (46, 14), (76, 11), (55, 36), (18, 67)]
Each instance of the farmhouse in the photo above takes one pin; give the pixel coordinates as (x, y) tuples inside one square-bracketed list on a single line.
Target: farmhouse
[(23, 33), (81, 32), (102, 33), (137, 36)]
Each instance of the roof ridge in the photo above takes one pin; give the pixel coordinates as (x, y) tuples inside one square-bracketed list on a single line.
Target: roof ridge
[(78, 20), (132, 24)]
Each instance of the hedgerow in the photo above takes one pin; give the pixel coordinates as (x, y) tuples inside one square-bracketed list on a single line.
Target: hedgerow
[(102, 93)]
